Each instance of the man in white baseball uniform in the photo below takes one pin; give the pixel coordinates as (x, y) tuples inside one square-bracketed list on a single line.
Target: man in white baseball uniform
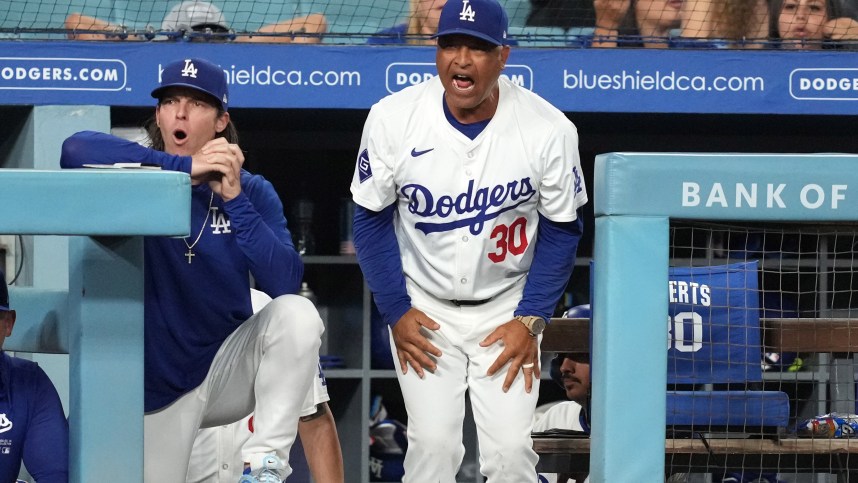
[(468, 191)]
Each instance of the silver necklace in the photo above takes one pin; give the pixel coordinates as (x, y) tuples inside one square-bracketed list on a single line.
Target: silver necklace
[(190, 253)]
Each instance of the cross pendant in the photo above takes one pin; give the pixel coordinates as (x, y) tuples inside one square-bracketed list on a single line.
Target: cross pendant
[(190, 255)]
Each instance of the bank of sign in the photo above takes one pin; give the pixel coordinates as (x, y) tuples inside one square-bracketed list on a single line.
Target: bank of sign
[(824, 84), (404, 74), (64, 74), (776, 196)]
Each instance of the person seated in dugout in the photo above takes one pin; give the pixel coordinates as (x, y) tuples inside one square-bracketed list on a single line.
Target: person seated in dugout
[(572, 373), (33, 426)]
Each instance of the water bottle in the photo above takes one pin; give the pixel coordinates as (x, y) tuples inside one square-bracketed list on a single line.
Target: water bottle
[(305, 242), (307, 292)]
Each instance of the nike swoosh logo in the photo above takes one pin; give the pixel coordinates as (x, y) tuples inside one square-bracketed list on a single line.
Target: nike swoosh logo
[(415, 152)]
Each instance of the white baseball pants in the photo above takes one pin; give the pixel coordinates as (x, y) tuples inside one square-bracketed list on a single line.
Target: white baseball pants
[(266, 366), (436, 404)]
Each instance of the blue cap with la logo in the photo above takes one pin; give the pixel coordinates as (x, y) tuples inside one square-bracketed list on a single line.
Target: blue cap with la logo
[(197, 74), (484, 19)]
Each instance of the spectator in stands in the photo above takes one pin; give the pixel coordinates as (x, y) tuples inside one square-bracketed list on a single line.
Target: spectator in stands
[(811, 24), (33, 427), (200, 17), (572, 372), (635, 23), (421, 24)]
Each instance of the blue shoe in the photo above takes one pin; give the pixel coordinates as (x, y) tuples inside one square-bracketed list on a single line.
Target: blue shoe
[(273, 470)]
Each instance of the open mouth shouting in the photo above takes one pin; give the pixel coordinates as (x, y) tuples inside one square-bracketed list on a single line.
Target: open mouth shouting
[(462, 82)]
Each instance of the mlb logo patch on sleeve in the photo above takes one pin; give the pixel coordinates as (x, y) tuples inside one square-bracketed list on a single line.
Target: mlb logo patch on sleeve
[(364, 169)]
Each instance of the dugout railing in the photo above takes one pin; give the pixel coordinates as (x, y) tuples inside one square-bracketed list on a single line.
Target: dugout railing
[(98, 320), (784, 453), (635, 197)]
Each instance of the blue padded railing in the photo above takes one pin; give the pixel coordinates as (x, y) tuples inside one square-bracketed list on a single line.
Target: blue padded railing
[(99, 321), (636, 195)]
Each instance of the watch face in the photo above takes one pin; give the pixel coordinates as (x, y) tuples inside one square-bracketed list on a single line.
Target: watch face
[(537, 326)]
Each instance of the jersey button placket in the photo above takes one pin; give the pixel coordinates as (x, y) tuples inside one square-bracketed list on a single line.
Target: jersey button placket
[(468, 172), (464, 254)]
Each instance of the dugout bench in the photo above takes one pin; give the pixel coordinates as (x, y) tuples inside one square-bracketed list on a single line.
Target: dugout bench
[(786, 454), (98, 321)]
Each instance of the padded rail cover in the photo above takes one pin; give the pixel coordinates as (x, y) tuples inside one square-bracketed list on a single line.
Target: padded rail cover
[(727, 408)]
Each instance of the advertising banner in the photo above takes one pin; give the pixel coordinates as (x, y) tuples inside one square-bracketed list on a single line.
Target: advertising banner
[(356, 76)]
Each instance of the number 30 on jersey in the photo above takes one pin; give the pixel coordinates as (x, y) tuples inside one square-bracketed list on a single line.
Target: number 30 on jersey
[(509, 239)]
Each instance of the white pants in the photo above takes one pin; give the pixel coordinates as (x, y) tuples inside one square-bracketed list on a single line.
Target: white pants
[(216, 456), (266, 366), (436, 404)]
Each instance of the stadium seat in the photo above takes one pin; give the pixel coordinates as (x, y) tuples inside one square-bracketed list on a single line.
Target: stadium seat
[(348, 33), (538, 36), (579, 37), (517, 11), (47, 15)]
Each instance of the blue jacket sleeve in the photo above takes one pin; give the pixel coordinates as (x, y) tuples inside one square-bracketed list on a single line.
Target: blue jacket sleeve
[(46, 446), (91, 147), (379, 258), (263, 236), (553, 260)]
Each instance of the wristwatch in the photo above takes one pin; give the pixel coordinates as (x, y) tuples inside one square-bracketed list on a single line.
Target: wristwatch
[(535, 324)]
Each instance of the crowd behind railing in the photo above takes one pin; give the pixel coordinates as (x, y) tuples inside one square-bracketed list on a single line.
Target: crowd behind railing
[(708, 24)]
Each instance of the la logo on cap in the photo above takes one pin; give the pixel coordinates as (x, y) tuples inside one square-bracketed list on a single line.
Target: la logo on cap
[(467, 12), (189, 70)]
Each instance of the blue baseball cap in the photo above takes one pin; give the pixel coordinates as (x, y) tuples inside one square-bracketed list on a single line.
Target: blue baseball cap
[(4, 292), (197, 74), (484, 19)]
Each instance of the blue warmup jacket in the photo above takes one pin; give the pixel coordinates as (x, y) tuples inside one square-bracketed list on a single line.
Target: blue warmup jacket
[(191, 308), (32, 424)]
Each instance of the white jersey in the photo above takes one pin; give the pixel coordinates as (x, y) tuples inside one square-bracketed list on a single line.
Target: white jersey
[(467, 209), (564, 415)]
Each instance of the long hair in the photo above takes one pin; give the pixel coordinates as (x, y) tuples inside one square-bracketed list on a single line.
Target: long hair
[(833, 10), (156, 140), (737, 19)]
